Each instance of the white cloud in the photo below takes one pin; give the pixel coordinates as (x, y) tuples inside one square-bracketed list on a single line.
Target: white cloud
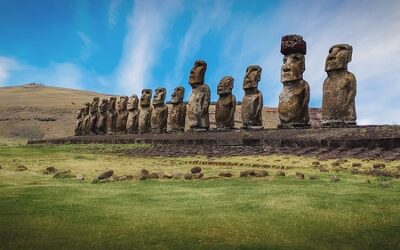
[(6, 66), (147, 28)]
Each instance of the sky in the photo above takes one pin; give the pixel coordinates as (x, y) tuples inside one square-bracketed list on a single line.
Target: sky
[(122, 46)]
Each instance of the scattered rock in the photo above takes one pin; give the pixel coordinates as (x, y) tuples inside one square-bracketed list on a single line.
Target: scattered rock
[(105, 174), (177, 176), (197, 175), (144, 174), (80, 177), (334, 178), (356, 165), (262, 173), (166, 176), (63, 174), (280, 173), (299, 175), (335, 164), (313, 177), (315, 163), (188, 176), (21, 168), (50, 170), (379, 166), (225, 174), (154, 176), (195, 170), (248, 173)]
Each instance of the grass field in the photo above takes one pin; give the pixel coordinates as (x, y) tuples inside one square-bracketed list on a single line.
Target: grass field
[(41, 212)]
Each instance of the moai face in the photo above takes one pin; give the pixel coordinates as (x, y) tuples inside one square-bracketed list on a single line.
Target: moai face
[(197, 73), (225, 86), (339, 57), (86, 109), (94, 105), (177, 96), (112, 103), (122, 103), (252, 77), (145, 99), (103, 106), (133, 102), (159, 96), (293, 67)]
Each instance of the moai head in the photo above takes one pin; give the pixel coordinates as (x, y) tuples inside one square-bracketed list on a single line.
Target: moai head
[(133, 102), (122, 103), (145, 99), (225, 86), (197, 72), (177, 96), (252, 77), (103, 106), (86, 109), (159, 96), (112, 103), (293, 47), (94, 105), (339, 57), (79, 113)]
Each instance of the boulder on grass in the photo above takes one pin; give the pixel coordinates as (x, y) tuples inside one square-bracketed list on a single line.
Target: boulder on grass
[(177, 175), (21, 168), (280, 173), (63, 174), (195, 170), (262, 173), (225, 174), (50, 170), (144, 174), (197, 175), (105, 174), (299, 175), (188, 176)]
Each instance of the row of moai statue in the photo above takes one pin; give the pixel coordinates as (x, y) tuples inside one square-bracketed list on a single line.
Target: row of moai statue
[(125, 116)]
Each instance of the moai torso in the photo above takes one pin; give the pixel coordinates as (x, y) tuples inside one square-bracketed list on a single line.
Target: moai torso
[(199, 101), (79, 122), (132, 124), (145, 111), (86, 120), (122, 115), (252, 102), (226, 105), (159, 115), (177, 116), (101, 127), (295, 94), (339, 89), (93, 115), (111, 115)]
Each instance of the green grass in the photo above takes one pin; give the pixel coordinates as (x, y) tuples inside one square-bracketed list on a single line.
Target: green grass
[(40, 212)]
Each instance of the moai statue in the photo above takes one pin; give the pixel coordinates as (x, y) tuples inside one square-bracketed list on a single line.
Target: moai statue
[(93, 113), (145, 111), (199, 100), (101, 126), (226, 105), (252, 103), (295, 95), (86, 119), (79, 121), (132, 124), (111, 115), (338, 102), (177, 115), (122, 115), (159, 115)]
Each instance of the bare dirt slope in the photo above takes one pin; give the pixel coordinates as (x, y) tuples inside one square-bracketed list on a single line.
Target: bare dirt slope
[(36, 111)]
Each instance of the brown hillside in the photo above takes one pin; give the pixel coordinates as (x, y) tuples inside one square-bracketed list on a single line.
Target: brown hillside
[(35, 111)]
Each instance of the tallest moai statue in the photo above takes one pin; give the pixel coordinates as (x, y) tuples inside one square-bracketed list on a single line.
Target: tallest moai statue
[(295, 95), (338, 103)]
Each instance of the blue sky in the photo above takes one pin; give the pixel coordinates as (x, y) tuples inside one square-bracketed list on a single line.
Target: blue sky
[(122, 46)]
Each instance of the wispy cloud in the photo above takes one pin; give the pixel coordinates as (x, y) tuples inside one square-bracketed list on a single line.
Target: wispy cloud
[(147, 29), (88, 46), (7, 65), (113, 11)]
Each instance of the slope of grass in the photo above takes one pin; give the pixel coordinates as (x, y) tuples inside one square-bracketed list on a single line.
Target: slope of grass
[(40, 212)]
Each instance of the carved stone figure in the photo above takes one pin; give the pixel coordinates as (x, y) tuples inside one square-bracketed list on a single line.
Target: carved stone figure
[(94, 107), (159, 115), (339, 91), (226, 105), (101, 126), (295, 95), (177, 115), (199, 100), (86, 119), (145, 111), (111, 115), (122, 114), (252, 102), (79, 121), (132, 124)]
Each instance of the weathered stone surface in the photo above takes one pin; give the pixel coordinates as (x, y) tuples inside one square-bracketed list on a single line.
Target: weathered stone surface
[(145, 111), (159, 115), (196, 169), (188, 176), (313, 177), (299, 175), (143, 174), (262, 173), (295, 94), (197, 175), (80, 177), (226, 104), (122, 114), (94, 108), (199, 101), (79, 121), (154, 175), (177, 116), (225, 174), (339, 89), (111, 115), (132, 123), (379, 166), (50, 170), (21, 168), (105, 174), (86, 119), (252, 102), (63, 174), (280, 173), (101, 124), (177, 176), (248, 173)]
